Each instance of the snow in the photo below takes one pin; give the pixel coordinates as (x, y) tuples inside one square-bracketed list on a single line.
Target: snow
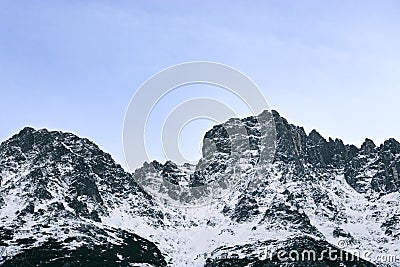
[(188, 236)]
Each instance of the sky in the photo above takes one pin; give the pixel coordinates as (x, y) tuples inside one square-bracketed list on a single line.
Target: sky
[(74, 66)]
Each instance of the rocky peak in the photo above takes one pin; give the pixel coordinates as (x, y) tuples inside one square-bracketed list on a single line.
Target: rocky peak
[(368, 146), (294, 147), (58, 184), (52, 166), (316, 138), (391, 145)]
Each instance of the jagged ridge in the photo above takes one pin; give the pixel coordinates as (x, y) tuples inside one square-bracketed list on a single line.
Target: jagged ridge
[(57, 185)]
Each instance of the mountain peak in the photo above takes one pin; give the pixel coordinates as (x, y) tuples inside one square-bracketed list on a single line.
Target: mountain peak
[(368, 146), (316, 136), (57, 186), (26, 130), (392, 145)]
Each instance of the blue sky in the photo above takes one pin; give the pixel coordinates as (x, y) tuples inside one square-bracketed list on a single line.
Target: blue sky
[(74, 65)]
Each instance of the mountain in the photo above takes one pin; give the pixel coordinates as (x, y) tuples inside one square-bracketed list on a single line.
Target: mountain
[(55, 190), (64, 202)]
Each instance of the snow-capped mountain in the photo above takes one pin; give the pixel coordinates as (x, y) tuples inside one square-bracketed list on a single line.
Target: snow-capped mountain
[(64, 202), (55, 188)]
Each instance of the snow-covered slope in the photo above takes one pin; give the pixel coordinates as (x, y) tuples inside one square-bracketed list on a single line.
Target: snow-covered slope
[(55, 188), (64, 200)]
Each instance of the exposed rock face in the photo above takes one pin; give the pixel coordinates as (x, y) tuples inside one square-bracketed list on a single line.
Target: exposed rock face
[(64, 200), (375, 168), (368, 168), (92, 252), (55, 187), (306, 247)]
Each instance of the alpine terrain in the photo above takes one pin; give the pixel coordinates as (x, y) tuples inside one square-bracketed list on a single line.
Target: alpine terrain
[(318, 202)]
